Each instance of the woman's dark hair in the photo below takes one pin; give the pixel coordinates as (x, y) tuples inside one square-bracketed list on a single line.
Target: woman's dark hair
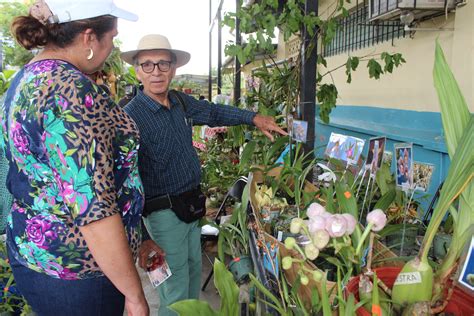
[(31, 33)]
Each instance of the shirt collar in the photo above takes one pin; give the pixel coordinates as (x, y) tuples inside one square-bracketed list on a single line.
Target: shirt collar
[(151, 104)]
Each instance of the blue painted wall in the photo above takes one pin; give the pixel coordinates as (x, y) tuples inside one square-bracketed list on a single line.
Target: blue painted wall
[(423, 129)]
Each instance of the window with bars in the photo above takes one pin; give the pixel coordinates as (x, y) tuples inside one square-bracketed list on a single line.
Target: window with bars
[(355, 32)]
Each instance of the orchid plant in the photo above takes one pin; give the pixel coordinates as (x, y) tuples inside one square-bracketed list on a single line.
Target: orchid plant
[(323, 231)]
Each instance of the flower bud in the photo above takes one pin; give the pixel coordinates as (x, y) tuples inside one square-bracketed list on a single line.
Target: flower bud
[(304, 279), (378, 219), (295, 225), (311, 251), (320, 238), (317, 275), (290, 242), (286, 262), (336, 225)]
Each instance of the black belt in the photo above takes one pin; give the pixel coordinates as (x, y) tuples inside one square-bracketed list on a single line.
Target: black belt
[(164, 202), (158, 203)]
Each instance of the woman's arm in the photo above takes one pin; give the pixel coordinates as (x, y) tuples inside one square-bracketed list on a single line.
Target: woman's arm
[(108, 244)]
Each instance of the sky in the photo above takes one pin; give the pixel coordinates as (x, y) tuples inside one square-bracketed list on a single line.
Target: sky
[(184, 22)]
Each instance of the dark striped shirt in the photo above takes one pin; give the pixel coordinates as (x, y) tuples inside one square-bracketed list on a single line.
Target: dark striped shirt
[(168, 162)]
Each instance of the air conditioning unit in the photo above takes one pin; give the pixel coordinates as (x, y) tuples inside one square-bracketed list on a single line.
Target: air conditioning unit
[(390, 9)]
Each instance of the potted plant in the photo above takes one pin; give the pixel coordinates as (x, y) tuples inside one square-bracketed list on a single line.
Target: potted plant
[(234, 240), (416, 287)]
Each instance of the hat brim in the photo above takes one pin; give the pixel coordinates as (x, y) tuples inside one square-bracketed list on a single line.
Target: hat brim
[(182, 57), (123, 14)]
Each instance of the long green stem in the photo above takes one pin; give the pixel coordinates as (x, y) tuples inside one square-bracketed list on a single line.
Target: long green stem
[(366, 232)]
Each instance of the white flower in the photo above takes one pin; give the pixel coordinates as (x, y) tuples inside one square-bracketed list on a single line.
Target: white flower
[(378, 219), (315, 209), (336, 225), (316, 223), (351, 223)]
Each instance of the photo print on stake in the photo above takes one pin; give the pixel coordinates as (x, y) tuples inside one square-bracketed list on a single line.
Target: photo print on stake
[(466, 277), (344, 148), (375, 154), (387, 158), (404, 165), (299, 131), (422, 173)]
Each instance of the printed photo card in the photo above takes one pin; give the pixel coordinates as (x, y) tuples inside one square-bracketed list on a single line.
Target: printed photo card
[(422, 174), (404, 165), (375, 154), (344, 148)]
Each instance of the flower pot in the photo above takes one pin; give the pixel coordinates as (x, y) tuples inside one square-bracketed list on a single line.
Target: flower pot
[(240, 268), (459, 304), (441, 244)]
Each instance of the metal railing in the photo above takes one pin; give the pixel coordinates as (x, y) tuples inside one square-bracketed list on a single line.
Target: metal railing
[(355, 32)]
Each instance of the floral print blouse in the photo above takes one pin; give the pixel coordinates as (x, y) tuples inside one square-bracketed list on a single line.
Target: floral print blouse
[(73, 161)]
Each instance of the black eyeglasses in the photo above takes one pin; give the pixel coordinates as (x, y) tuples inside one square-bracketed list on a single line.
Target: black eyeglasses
[(149, 67)]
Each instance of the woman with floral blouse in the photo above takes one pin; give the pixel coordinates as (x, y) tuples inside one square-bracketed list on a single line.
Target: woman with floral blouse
[(74, 227)]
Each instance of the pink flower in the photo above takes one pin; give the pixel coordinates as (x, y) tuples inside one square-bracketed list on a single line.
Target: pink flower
[(316, 223), (336, 225), (378, 219), (88, 101), (351, 223), (39, 230), (315, 209), (20, 139), (66, 274)]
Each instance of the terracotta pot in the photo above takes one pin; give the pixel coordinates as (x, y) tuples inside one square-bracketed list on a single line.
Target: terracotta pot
[(460, 303)]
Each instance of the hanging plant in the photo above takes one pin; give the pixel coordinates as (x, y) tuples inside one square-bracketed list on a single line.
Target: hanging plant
[(260, 20)]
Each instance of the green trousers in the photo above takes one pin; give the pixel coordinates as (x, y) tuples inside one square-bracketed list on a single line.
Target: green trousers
[(182, 245)]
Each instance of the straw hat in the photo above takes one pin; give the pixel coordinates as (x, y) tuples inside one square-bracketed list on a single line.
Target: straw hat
[(155, 42)]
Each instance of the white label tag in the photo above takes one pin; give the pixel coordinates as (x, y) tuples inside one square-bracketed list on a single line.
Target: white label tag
[(408, 278), (280, 235)]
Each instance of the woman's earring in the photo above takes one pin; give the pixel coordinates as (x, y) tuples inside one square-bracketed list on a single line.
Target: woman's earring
[(91, 54)]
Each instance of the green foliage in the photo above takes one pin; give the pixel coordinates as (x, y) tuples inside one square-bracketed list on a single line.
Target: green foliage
[(14, 54), (457, 126), (259, 22), (375, 69), (9, 302), (234, 235), (5, 78), (327, 97), (219, 163), (228, 292), (390, 60)]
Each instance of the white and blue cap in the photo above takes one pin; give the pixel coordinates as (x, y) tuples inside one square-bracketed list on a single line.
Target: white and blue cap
[(72, 10)]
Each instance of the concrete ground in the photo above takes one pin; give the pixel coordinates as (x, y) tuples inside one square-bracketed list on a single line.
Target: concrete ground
[(210, 294)]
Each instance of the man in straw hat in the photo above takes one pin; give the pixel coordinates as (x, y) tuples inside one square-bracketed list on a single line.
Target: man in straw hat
[(169, 165)]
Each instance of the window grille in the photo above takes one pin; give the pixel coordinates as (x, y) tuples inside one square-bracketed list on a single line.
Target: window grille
[(355, 32)]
